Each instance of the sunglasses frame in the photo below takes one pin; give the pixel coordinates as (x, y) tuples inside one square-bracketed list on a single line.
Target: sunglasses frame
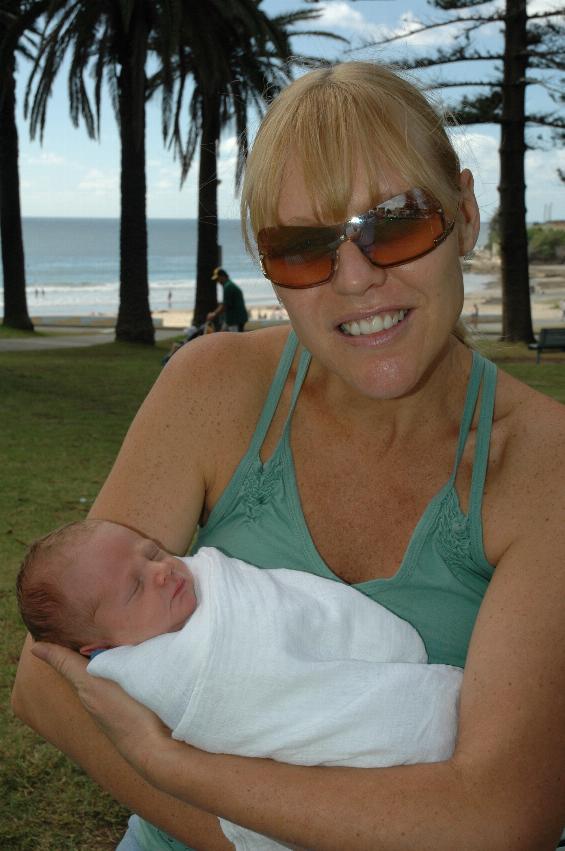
[(348, 230)]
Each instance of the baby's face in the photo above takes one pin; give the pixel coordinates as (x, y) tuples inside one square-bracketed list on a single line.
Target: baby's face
[(135, 589)]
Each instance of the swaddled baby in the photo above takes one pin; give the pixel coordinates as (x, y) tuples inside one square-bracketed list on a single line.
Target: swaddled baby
[(237, 659)]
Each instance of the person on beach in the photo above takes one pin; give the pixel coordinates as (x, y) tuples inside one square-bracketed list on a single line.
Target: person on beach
[(367, 443), (232, 306), (221, 674)]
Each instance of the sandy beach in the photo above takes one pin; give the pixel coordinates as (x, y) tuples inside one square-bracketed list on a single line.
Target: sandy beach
[(547, 284), (183, 318), (547, 292)]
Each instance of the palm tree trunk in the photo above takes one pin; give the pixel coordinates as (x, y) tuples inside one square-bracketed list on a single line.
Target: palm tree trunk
[(13, 266), (134, 324), (516, 307), (207, 256)]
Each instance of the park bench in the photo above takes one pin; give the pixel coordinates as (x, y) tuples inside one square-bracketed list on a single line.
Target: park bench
[(549, 338)]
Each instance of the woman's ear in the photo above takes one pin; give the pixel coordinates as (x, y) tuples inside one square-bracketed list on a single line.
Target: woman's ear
[(468, 218)]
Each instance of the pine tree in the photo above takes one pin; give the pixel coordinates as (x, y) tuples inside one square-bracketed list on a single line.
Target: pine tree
[(533, 49)]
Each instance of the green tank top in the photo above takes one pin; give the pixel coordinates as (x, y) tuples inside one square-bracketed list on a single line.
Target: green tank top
[(444, 573)]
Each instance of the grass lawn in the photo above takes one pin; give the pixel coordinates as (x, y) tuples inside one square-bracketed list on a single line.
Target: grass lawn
[(547, 377), (9, 333), (64, 415)]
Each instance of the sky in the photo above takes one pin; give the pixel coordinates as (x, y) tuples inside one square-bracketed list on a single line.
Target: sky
[(70, 175)]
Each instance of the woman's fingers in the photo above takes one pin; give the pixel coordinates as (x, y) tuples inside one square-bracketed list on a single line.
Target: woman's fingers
[(133, 728), (96, 695), (70, 665)]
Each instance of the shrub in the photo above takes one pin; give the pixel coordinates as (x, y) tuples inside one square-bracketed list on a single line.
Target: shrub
[(546, 245)]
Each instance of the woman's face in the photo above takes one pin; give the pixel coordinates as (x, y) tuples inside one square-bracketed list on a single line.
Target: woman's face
[(427, 293)]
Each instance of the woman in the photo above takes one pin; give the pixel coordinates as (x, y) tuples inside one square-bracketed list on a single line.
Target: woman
[(380, 452)]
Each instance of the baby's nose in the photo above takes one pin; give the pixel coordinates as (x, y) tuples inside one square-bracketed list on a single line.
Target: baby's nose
[(161, 573)]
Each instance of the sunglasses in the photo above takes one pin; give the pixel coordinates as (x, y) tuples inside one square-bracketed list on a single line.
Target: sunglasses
[(397, 231)]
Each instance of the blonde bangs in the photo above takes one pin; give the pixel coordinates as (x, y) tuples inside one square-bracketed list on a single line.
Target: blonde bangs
[(336, 120)]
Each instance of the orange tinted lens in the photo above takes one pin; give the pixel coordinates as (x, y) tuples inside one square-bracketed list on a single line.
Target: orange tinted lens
[(298, 256), (387, 242), (299, 270)]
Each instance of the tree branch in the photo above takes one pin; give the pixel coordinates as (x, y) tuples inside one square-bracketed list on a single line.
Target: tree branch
[(434, 25)]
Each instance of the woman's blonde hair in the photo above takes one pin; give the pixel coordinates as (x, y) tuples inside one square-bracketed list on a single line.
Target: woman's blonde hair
[(330, 120)]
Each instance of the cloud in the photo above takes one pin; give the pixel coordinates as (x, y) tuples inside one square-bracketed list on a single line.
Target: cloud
[(539, 162), (537, 6), (228, 146), (45, 158), (342, 18), (408, 26), (479, 152), (169, 172), (99, 182), (227, 163), (544, 194)]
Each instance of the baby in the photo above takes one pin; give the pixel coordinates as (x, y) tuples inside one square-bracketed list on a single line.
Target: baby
[(92, 585), (237, 659)]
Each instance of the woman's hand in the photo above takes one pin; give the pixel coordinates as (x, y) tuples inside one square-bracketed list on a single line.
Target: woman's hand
[(135, 730)]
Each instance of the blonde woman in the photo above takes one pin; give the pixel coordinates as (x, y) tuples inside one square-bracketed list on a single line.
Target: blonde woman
[(370, 445)]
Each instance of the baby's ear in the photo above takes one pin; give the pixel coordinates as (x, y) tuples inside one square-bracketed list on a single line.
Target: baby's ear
[(92, 649)]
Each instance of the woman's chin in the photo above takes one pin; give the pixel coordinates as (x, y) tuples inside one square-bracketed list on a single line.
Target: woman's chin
[(391, 378)]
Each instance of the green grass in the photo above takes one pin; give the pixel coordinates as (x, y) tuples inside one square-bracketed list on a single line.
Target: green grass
[(64, 415), (515, 358), (7, 332)]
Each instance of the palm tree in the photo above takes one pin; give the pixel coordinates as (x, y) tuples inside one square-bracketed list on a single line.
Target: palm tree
[(111, 39), (17, 19), (234, 55)]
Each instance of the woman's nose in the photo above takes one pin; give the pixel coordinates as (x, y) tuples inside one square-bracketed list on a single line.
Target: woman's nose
[(355, 274)]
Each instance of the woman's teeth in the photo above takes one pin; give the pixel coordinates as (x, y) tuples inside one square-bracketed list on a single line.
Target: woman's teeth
[(378, 322)]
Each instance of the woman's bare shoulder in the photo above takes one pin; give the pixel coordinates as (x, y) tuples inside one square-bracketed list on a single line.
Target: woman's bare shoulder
[(189, 434), (533, 425), (227, 365), (530, 412)]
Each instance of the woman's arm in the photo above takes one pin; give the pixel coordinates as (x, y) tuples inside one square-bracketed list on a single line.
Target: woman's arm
[(165, 471), (189, 435), (51, 707), (503, 788)]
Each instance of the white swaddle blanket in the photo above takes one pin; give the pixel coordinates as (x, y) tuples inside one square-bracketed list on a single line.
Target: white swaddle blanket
[(291, 666)]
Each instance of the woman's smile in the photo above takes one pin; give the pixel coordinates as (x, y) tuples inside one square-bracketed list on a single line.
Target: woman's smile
[(373, 323)]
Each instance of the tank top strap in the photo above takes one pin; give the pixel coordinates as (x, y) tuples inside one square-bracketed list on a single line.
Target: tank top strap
[(301, 371), (274, 395), (473, 387), (480, 462)]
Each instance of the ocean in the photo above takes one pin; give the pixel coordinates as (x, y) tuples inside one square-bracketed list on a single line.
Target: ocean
[(72, 265)]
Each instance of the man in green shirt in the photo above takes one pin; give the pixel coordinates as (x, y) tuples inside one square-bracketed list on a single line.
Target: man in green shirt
[(232, 305)]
